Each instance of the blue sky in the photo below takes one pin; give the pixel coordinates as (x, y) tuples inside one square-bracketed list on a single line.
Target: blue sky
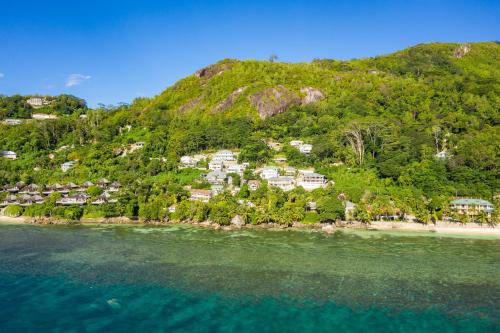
[(112, 51)]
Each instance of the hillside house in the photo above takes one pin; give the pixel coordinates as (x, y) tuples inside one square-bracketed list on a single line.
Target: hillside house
[(102, 183), (10, 200), (305, 148), (215, 165), (201, 195), (188, 162), (8, 154), (296, 143), (37, 102), (223, 155), (12, 122), (114, 187), (311, 180), (442, 155), (286, 183), (253, 185), (472, 207), (67, 165), (43, 116), (236, 168), (216, 177), (290, 171), (269, 172), (104, 198)]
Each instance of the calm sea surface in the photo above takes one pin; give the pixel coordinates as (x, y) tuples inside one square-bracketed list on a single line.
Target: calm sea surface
[(184, 279)]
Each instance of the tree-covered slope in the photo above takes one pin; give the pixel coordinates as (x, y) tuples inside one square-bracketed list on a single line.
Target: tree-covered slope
[(376, 125)]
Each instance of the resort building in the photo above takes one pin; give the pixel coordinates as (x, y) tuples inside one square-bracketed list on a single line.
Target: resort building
[(9, 200), (472, 207), (67, 165), (114, 187), (8, 154), (201, 195), (77, 199), (104, 198), (102, 183), (290, 171), (269, 172), (311, 180), (286, 183)]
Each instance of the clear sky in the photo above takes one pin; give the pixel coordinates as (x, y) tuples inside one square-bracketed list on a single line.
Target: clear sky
[(112, 51)]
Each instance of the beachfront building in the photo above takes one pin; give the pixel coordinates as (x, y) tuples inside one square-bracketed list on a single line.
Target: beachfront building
[(286, 183), (8, 154), (104, 198), (472, 207), (77, 199), (9, 200), (67, 165), (201, 195), (269, 172), (223, 155), (311, 180)]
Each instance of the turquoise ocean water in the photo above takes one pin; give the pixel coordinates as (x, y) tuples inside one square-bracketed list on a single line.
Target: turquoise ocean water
[(183, 279)]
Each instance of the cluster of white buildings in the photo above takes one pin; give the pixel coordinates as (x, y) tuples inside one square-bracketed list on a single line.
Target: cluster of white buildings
[(292, 178)]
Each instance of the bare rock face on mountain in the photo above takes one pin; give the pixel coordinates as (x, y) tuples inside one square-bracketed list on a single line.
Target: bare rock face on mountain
[(311, 95), (272, 101), (229, 101), (461, 50), (215, 69), (190, 105)]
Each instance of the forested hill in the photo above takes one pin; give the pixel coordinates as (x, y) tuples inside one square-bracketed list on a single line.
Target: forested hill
[(376, 125)]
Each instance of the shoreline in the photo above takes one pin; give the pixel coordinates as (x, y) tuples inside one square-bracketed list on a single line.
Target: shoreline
[(471, 229)]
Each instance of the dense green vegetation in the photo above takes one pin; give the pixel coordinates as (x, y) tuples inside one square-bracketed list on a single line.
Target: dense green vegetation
[(375, 134), (16, 106)]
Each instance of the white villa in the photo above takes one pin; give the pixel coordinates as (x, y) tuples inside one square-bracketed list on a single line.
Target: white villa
[(236, 168), (286, 183), (43, 116), (67, 165), (269, 172), (37, 102), (311, 180), (253, 185), (305, 148), (215, 165), (201, 195), (442, 155), (12, 122), (216, 177), (189, 162), (296, 143), (8, 154)]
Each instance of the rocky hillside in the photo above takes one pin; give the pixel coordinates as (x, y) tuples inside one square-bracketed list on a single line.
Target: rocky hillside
[(263, 89)]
